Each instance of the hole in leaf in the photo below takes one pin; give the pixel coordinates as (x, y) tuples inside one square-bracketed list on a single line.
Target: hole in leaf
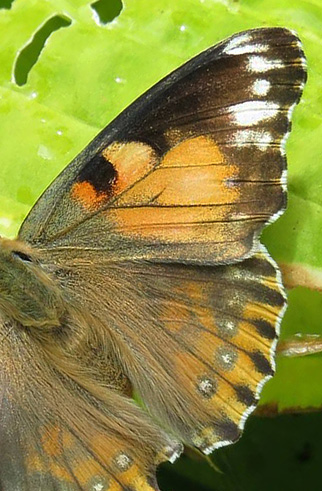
[(6, 4), (30, 53), (107, 10)]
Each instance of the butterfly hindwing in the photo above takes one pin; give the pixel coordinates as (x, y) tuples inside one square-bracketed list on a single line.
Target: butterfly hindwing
[(200, 340), (193, 169), (57, 434)]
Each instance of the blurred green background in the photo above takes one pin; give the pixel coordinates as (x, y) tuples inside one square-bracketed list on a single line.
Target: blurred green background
[(67, 68)]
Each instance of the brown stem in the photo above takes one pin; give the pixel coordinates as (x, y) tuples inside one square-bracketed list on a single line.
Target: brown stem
[(301, 275), (300, 345)]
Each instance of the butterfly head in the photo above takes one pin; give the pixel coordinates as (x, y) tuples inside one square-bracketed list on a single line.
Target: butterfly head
[(28, 295)]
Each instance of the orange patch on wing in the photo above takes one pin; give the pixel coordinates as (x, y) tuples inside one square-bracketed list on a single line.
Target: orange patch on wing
[(114, 486), (51, 441), (242, 371), (133, 477), (188, 196), (262, 311), (34, 461), (252, 338), (86, 468), (192, 173), (85, 193), (201, 150), (174, 317), (54, 442), (244, 337), (132, 161), (176, 224)]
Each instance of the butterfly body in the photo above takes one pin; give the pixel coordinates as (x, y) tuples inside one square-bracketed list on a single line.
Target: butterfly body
[(140, 269), (28, 293)]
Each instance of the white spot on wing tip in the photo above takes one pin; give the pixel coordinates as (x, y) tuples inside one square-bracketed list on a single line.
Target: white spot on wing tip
[(247, 49), (252, 112), (261, 87), (236, 43), (260, 64), (261, 139)]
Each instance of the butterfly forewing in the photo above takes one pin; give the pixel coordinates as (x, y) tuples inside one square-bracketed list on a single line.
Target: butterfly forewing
[(193, 169)]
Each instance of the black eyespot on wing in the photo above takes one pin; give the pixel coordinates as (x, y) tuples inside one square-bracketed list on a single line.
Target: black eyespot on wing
[(100, 173), (261, 363)]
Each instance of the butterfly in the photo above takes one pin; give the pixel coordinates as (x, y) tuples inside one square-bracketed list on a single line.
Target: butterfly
[(140, 269)]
